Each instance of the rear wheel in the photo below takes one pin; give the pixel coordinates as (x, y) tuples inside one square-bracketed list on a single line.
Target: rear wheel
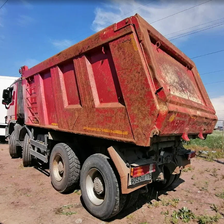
[(14, 150), (100, 189), (176, 178), (64, 168), (27, 158), (169, 178)]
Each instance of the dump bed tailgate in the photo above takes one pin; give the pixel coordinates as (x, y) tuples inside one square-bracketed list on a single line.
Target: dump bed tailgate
[(184, 105)]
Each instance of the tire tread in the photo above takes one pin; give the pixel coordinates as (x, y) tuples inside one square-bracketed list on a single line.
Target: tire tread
[(13, 149), (74, 168), (27, 158)]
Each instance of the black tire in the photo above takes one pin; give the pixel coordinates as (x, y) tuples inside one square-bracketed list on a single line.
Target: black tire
[(64, 168), (132, 198), (169, 179), (176, 177), (13, 148), (27, 158), (100, 189)]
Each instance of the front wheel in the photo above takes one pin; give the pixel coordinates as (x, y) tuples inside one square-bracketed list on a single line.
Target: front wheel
[(100, 189), (14, 150)]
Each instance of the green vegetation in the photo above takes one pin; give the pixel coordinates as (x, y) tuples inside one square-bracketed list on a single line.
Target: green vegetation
[(165, 202), (206, 219), (214, 172), (213, 141), (190, 168), (78, 192), (65, 210), (214, 208), (213, 145), (202, 186), (220, 195), (184, 214)]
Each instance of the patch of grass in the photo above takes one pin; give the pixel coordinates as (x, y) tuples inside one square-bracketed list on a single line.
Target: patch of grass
[(205, 186), (202, 186), (206, 219), (130, 217), (193, 177), (213, 145), (65, 210), (214, 172), (166, 213), (214, 155), (213, 141), (78, 192), (190, 168), (168, 202), (155, 204), (183, 214), (214, 208), (220, 195)]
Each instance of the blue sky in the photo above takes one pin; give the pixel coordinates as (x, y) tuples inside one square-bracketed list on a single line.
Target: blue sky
[(32, 31)]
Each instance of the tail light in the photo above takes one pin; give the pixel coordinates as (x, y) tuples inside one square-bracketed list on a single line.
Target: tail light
[(142, 170)]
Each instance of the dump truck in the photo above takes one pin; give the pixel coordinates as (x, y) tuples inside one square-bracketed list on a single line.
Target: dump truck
[(110, 115)]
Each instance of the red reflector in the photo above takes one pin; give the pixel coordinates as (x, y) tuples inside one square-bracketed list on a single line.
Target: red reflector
[(191, 155), (142, 170), (185, 137), (200, 135)]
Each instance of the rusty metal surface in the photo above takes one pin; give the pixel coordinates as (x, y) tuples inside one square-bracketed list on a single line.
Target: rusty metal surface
[(126, 82)]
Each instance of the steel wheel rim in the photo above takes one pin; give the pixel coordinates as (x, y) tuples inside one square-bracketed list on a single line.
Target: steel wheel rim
[(58, 167), (95, 186)]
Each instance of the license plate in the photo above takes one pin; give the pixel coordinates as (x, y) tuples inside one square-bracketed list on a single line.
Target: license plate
[(136, 180)]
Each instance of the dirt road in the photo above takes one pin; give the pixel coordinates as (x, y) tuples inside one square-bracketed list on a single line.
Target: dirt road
[(26, 196)]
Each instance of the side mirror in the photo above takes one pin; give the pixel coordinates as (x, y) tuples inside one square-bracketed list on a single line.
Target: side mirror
[(7, 96)]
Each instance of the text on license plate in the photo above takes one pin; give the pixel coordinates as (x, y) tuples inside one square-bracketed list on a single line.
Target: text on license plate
[(136, 180)]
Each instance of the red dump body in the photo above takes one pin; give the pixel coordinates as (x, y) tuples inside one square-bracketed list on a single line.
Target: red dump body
[(126, 82)]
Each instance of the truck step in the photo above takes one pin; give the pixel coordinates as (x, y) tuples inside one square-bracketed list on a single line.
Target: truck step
[(39, 144), (39, 156)]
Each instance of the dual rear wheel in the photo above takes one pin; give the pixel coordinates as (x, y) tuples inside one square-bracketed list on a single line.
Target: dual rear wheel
[(99, 184)]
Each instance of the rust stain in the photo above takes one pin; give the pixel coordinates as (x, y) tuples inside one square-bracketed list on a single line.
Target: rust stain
[(172, 117), (54, 124), (133, 43), (119, 132)]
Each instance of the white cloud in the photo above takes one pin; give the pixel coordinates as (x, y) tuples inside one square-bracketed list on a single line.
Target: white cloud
[(152, 11), (30, 62), (62, 44), (24, 20), (218, 104)]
